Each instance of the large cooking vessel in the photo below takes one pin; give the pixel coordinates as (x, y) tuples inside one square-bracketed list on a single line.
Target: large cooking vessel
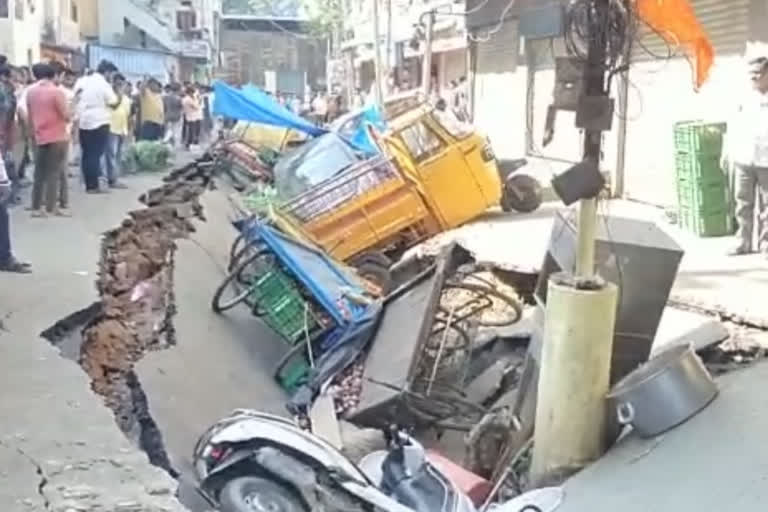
[(664, 392)]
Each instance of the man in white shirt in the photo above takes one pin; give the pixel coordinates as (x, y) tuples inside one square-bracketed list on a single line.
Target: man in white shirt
[(746, 147), (95, 100)]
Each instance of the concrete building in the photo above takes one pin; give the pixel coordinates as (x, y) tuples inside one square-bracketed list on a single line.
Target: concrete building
[(24, 25), (402, 48), (513, 82), (276, 53), (167, 39)]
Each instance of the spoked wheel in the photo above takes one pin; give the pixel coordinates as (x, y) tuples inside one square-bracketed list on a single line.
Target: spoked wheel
[(236, 287), (256, 494), (491, 307)]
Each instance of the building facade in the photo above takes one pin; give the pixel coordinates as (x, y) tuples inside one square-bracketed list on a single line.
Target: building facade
[(169, 39), (513, 80), (401, 32), (277, 54)]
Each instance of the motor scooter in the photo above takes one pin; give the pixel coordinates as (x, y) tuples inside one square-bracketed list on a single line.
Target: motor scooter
[(251, 461)]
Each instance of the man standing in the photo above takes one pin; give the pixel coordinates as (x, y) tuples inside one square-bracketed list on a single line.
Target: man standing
[(8, 263), (49, 117), (7, 128), (747, 148), (173, 116), (95, 101), (193, 114), (118, 131), (151, 110)]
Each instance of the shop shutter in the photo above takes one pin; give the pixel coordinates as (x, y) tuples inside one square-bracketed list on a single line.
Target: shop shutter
[(499, 88), (660, 93)]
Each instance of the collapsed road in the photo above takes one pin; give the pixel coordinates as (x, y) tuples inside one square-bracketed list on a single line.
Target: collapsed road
[(164, 364)]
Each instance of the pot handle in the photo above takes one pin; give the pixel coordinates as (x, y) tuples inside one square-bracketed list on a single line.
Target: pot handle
[(625, 413)]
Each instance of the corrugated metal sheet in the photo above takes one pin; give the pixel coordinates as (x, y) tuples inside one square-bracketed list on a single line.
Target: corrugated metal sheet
[(134, 63), (661, 94)]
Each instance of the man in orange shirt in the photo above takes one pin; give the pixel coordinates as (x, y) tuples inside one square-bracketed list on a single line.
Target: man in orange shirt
[(49, 117)]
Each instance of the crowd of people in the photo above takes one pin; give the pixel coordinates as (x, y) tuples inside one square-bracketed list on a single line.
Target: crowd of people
[(51, 117)]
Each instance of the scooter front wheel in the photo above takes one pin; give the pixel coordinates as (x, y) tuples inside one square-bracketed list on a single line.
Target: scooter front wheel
[(256, 494)]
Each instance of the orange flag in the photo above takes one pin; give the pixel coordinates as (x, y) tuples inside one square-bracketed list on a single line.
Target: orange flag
[(676, 22)]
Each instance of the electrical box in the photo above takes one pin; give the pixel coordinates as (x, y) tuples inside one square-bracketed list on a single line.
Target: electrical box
[(569, 83), (542, 21)]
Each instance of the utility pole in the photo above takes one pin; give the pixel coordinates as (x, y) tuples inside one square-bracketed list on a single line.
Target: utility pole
[(389, 38), (580, 316), (426, 70), (377, 55)]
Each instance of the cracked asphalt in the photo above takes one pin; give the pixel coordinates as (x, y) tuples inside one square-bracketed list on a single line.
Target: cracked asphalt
[(60, 448)]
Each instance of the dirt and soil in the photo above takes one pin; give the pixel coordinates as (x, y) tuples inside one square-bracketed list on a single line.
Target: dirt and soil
[(135, 312)]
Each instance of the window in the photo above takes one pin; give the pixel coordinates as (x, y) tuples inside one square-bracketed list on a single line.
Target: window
[(4, 8), (186, 20), (421, 141), (18, 9), (73, 11)]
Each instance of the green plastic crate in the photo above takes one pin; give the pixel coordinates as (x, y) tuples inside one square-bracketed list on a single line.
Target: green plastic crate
[(701, 169), (696, 137), (282, 306), (707, 197), (706, 224)]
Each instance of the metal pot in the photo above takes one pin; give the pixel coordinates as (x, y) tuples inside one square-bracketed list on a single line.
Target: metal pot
[(664, 392)]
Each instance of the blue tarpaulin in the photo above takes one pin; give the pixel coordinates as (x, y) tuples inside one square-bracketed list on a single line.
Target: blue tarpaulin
[(252, 104), (361, 139)]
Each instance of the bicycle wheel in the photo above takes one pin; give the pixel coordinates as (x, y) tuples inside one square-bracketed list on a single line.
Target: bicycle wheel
[(232, 283), (235, 250), (500, 310)]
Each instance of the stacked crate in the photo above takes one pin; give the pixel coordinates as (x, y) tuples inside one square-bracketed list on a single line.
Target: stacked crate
[(702, 185)]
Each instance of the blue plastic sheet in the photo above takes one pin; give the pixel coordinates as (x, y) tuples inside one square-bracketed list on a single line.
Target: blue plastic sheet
[(254, 105), (361, 140)]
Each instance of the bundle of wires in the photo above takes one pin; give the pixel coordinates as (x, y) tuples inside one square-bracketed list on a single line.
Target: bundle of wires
[(587, 22)]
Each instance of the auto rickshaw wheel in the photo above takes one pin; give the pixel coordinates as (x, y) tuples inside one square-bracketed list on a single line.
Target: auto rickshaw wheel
[(522, 193), (377, 275)]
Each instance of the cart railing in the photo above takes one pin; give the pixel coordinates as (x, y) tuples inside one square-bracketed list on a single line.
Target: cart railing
[(329, 195)]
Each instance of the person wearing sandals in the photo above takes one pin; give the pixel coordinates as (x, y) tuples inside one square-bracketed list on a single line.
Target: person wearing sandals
[(49, 116), (8, 263)]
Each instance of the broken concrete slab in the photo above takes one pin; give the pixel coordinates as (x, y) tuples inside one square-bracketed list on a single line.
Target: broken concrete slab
[(718, 460), (679, 327)]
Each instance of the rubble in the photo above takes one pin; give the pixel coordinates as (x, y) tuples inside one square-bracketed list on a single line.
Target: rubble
[(135, 312)]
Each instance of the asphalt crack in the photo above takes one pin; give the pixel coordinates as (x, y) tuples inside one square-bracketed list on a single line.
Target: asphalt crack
[(136, 306), (39, 470)]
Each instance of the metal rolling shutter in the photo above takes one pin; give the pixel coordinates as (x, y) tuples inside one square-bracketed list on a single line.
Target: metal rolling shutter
[(499, 53), (661, 94)]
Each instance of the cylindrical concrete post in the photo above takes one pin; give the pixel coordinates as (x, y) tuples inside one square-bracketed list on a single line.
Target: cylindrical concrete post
[(574, 378)]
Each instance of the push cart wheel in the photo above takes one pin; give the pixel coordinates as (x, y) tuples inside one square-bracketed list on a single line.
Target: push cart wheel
[(243, 252), (376, 274), (508, 309), (522, 193), (235, 250), (281, 364), (220, 303)]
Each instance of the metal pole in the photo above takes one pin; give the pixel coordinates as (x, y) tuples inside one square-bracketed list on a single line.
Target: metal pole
[(578, 335), (426, 70), (389, 38), (594, 85), (377, 54)]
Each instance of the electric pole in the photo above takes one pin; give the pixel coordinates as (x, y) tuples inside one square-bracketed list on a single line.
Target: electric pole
[(426, 71), (377, 55), (570, 427)]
